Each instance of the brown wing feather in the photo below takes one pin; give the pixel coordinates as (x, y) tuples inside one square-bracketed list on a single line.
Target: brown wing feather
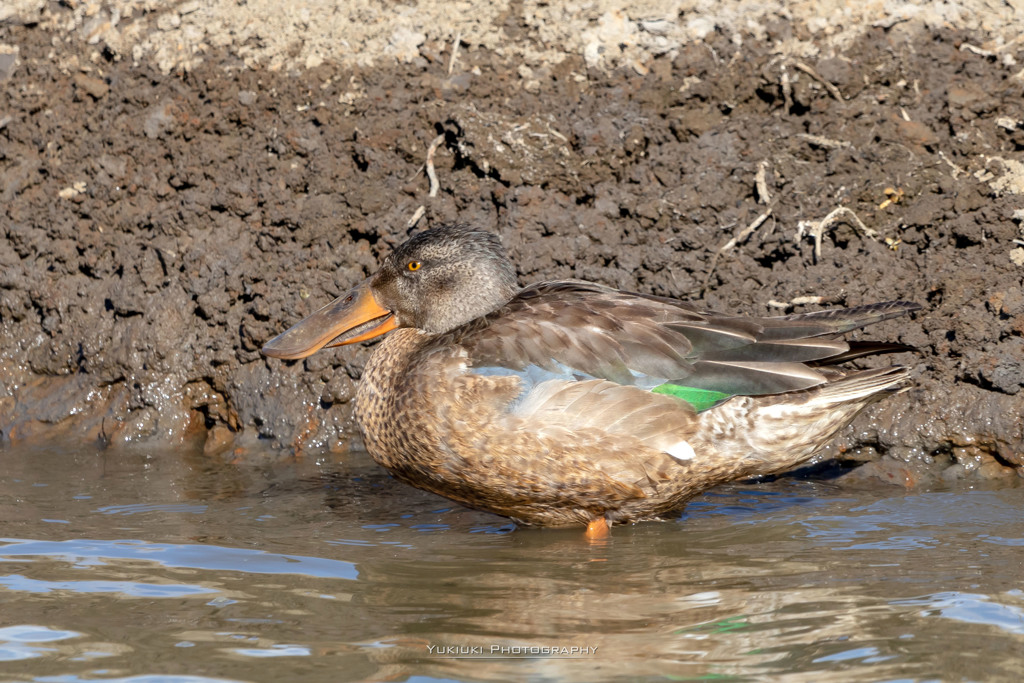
[(643, 426), (618, 336)]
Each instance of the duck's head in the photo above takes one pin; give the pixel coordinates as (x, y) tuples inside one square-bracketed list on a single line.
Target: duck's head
[(439, 279)]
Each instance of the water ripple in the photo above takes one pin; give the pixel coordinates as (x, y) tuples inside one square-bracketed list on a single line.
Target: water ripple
[(86, 552), (148, 678), (970, 608), (19, 642), (137, 508), (17, 582)]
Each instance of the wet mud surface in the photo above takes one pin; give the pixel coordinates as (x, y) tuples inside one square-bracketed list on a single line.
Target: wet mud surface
[(158, 228)]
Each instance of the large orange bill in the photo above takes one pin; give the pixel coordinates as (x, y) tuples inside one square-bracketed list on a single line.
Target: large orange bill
[(348, 319)]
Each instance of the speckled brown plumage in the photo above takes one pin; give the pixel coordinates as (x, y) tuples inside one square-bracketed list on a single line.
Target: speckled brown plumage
[(537, 404)]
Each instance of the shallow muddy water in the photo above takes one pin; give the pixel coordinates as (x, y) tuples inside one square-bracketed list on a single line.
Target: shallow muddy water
[(166, 567)]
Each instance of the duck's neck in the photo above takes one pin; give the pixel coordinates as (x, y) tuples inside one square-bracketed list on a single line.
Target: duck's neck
[(384, 383)]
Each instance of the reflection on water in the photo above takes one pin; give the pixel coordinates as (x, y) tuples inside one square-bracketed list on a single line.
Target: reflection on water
[(87, 553), (169, 567)]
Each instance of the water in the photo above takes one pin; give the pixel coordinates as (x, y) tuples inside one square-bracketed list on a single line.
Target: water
[(161, 567)]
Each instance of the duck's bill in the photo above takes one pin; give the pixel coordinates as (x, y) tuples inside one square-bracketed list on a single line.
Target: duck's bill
[(348, 319)]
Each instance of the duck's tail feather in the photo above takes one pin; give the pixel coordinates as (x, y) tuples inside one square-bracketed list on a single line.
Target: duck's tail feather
[(789, 430), (860, 349), (862, 387), (839, 320)]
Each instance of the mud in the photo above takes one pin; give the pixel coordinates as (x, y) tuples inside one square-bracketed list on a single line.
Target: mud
[(159, 227)]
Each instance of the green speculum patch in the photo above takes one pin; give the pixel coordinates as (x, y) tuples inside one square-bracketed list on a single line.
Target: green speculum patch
[(700, 399)]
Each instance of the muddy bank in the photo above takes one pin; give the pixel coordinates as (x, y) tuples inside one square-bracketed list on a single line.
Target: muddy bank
[(159, 227)]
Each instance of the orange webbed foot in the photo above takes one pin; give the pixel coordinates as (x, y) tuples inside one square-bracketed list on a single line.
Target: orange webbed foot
[(597, 529)]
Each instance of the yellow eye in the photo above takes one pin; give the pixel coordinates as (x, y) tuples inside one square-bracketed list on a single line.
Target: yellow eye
[(414, 266)]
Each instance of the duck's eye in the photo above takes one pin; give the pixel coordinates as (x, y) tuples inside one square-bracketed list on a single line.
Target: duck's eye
[(413, 266)]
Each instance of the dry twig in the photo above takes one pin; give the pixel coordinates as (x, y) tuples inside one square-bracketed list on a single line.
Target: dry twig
[(817, 228), (455, 52), (832, 90), (981, 52), (820, 141), (416, 217), (787, 88), (761, 182), (434, 186), (957, 171), (763, 196), (741, 236), (799, 301)]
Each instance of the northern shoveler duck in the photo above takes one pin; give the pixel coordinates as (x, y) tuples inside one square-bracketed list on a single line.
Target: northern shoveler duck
[(573, 403)]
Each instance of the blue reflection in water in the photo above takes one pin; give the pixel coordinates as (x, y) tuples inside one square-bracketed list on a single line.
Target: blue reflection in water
[(27, 633), (924, 520), (17, 642), (868, 655), (85, 552), (970, 608), (138, 508), (276, 651), (154, 678), (999, 540), (17, 582)]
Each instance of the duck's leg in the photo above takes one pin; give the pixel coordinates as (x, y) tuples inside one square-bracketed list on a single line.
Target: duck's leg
[(597, 528)]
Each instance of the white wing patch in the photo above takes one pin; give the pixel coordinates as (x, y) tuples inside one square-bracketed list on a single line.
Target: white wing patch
[(531, 378), (681, 451)]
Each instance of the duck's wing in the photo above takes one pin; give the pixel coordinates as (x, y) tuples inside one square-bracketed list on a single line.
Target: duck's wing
[(580, 330)]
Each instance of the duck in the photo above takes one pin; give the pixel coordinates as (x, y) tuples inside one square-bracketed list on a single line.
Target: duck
[(572, 403)]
